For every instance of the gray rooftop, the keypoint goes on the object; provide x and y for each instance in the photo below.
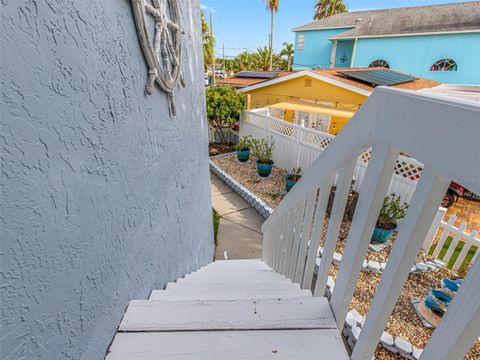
(455, 17)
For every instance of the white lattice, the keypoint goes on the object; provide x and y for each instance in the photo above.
(317, 139)
(254, 119)
(408, 168)
(282, 127)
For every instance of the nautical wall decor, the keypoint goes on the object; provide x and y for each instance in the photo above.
(162, 47)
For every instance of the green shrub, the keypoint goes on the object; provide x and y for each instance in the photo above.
(392, 211)
(263, 149)
(245, 143)
(224, 107)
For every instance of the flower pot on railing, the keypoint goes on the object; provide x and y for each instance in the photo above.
(382, 235)
(264, 169)
(243, 155)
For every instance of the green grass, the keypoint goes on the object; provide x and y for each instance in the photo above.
(454, 257)
(216, 221)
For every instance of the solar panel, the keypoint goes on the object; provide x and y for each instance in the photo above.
(379, 77)
(257, 74)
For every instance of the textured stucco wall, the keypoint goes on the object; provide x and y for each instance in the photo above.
(104, 196)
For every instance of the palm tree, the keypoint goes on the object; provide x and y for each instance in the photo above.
(272, 6)
(326, 8)
(265, 58)
(208, 42)
(245, 61)
(288, 51)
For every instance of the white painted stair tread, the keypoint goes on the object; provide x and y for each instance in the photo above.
(227, 286)
(303, 313)
(232, 294)
(229, 345)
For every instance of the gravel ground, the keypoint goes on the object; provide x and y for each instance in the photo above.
(404, 321)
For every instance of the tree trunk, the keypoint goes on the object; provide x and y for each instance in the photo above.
(271, 39)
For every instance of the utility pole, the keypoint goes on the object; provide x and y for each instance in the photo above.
(213, 54)
(223, 58)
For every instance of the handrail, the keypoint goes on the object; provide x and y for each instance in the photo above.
(397, 117)
(390, 121)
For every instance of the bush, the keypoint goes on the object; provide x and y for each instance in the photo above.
(245, 143)
(263, 150)
(224, 107)
(392, 211)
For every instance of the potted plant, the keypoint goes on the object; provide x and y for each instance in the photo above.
(393, 210)
(263, 150)
(243, 148)
(292, 178)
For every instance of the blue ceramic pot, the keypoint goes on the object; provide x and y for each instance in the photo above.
(264, 170)
(381, 235)
(290, 180)
(243, 155)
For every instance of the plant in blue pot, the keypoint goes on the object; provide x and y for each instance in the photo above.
(263, 150)
(243, 148)
(292, 178)
(393, 210)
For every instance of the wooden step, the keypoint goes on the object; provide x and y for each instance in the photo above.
(230, 286)
(266, 314)
(325, 344)
(232, 294)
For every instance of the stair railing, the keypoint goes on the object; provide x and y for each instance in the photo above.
(392, 120)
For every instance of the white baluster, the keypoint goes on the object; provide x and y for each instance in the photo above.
(373, 190)
(325, 188)
(334, 225)
(305, 236)
(296, 240)
(423, 208)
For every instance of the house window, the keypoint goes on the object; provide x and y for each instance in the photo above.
(300, 42)
(444, 65)
(380, 63)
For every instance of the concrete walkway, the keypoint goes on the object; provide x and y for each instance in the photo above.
(239, 231)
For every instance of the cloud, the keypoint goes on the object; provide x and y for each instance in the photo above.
(207, 8)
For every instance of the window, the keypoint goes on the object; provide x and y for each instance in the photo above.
(444, 65)
(308, 82)
(380, 63)
(300, 42)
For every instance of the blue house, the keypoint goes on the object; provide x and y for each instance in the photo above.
(438, 42)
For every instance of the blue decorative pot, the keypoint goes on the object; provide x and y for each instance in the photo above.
(381, 235)
(291, 180)
(264, 170)
(243, 155)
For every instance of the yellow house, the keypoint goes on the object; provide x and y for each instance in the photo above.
(324, 99)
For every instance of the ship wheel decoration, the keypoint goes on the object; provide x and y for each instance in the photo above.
(163, 53)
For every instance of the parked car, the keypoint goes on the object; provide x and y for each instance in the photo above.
(456, 191)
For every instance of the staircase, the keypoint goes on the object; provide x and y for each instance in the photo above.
(246, 309)
(236, 309)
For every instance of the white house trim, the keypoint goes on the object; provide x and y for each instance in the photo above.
(312, 75)
(324, 28)
(400, 35)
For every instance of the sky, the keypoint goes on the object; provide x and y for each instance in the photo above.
(241, 25)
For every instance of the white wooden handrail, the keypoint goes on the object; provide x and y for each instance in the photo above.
(391, 121)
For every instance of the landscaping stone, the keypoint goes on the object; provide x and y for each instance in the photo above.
(357, 317)
(403, 346)
(416, 352)
(337, 259)
(374, 266)
(386, 340)
(356, 333)
(413, 269)
(431, 265)
(439, 263)
(421, 266)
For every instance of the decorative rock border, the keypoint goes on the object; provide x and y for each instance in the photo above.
(379, 267)
(241, 190)
(353, 327)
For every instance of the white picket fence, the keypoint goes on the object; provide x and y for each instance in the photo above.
(299, 146)
(446, 229)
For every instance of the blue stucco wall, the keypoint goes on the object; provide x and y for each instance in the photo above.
(415, 55)
(104, 196)
(317, 49)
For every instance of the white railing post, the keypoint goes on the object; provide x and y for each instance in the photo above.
(432, 233)
(460, 326)
(374, 188)
(422, 210)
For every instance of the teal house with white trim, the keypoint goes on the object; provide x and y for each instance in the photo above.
(437, 42)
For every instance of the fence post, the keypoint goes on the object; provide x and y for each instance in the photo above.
(266, 122)
(299, 143)
(432, 232)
